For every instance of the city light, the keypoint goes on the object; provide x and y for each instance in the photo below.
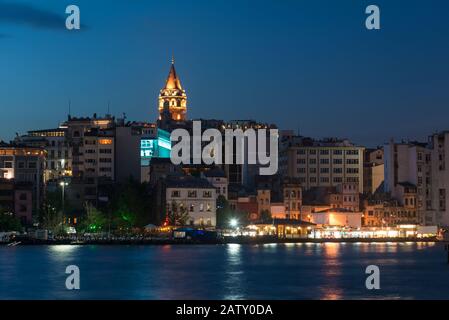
(233, 223)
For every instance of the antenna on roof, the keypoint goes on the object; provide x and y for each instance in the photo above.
(70, 108)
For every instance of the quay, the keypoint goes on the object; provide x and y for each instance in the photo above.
(225, 240)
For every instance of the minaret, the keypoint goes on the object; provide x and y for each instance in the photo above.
(173, 98)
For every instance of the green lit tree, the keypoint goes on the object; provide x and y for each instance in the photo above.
(94, 221)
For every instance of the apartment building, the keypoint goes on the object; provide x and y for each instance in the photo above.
(321, 163)
(410, 163)
(373, 170)
(25, 166)
(58, 162)
(438, 197)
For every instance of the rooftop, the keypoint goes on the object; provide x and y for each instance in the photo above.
(188, 182)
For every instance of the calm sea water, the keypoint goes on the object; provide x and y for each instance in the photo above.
(271, 271)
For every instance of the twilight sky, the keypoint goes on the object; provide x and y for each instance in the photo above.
(307, 65)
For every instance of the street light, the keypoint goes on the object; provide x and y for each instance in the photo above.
(63, 184)
(233, 223)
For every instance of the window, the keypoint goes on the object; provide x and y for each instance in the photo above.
(352, 152)
(207, 194)
(338, 170)
(312, 161)
(312, 151)
(324, 152)
(32, 165)
(338, 161)
(352, 161)
(338, 152)
(191, 194)
(175, 193)
(324, 161)
(192, 207)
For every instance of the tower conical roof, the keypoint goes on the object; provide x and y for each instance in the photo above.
(173, 81)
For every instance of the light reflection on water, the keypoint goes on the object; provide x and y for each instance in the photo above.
(271, 271)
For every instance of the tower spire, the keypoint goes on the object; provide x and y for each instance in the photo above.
(172, 96)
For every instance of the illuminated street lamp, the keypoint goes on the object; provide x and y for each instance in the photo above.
(63, 184)
(233, 223)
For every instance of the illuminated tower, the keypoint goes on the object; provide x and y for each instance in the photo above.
(173, 98)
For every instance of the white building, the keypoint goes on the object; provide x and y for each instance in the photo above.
(196, 195)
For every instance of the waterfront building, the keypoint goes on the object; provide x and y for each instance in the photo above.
(92, 143)
(284, 228)
(196, 195)
(321, 163)
(410, 163)
(346, 197)
(264, 200)
(438, 199)
(24, 166)
(58, 162)
(373, 170)
(292, 196)
(339, 217)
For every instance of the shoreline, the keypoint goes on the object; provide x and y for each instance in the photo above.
(250, 241)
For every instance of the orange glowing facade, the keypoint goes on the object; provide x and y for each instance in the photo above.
(173, 98)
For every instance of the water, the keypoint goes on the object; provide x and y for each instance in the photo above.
(272, 271)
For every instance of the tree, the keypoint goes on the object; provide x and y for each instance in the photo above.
(51, 217)
(95, 221)
(130, 205)
(8, 221)
(177, 215)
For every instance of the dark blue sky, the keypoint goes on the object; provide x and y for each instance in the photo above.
(302, 64)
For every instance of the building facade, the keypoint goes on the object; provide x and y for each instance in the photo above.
(325, 163)
(196, 195)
